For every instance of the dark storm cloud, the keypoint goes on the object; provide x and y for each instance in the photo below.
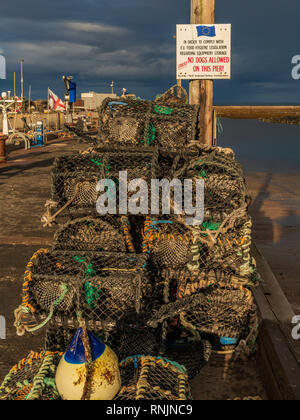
(131, 41)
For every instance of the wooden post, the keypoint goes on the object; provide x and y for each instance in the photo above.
(2, 148)
(179, 85)
(201, 91)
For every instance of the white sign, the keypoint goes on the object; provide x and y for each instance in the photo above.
(203, 51)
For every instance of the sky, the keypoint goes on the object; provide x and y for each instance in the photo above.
(131, 42)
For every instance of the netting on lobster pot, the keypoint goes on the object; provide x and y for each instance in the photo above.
(59, 339)
(139, 122)
(193, 356)
(223, 246)
(173, 283)
(222, 314)
(76, 188)
(107, 233)
(153, 378)
(131, 336)
(33, 378)
(167, 241)
(224, 182)
(100, 287)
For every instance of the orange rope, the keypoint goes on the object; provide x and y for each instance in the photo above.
(28, 279)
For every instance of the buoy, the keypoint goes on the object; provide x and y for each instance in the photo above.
(104, 381)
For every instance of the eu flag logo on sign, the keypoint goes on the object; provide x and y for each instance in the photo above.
(206, 30)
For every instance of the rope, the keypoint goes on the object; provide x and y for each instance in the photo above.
(86, 394)
(57, 302)
(47, 218)
(21, 328)
(38, 382)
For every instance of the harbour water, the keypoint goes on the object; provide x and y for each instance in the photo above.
(270, 155)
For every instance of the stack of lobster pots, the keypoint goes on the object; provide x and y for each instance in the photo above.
(145, 283)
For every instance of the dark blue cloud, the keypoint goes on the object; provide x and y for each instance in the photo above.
(131, 42)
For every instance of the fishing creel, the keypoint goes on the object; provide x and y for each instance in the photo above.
(131, 336)
(153, 378)
(223, 177)
(108, 233)
(32, 378)
(140, 122)
(219, 246)
(75, 179)
(102, 288)
(222, 314)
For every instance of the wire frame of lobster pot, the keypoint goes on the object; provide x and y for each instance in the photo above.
(101, 288)
(210, 246)
(32, 378)
(75, 178)
(172, 284)
(222, 314)
(225, 187)
(98, 234)
(153, 378)
(125, 339)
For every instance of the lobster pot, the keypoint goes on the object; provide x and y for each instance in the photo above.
(102, 287)
(223, 177)
(167, 241)
(75, 178)
(124, 340)
(210, 246)
(59, 339)
(222, 314)
(107, 233)
(193, 356)
(173, 284)
(32, 378)
(153, 378)
(146, 123)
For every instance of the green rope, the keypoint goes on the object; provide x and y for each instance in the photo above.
(99, 162)
(202, 172)
(38, 382)
(89, 272)
(92, 293)
(210, 225)
(159, 109)
(151, 133)
(57, 302)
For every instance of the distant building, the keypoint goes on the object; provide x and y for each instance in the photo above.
(93, 100)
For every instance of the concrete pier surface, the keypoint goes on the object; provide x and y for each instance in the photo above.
(25, 187)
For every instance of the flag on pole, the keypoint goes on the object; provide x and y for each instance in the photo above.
(203, 30)
(55, 102)
(19, 104)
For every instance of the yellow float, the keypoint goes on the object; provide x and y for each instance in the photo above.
(104, 379)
